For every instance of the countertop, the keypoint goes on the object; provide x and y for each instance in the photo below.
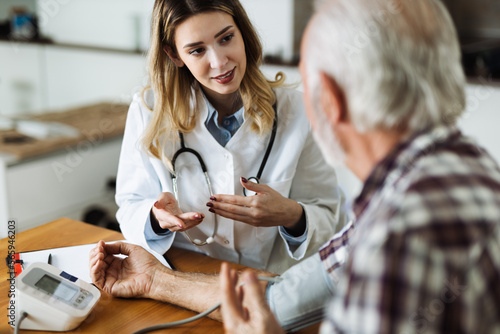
(95, 123)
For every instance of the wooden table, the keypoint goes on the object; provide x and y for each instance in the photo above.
(113, 315)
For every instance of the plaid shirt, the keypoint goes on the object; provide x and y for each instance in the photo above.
(423, 255)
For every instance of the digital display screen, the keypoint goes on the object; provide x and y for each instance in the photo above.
(56, 288)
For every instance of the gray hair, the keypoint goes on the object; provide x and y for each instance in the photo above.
(396, 61)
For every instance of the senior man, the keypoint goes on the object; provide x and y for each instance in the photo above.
(384, 88)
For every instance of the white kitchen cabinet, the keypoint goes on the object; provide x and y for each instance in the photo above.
(61, 184)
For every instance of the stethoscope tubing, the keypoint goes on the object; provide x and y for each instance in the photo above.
(263, 164)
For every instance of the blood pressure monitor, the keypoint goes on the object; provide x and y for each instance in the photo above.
(53, 299)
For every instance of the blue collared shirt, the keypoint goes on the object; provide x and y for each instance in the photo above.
(230, 124)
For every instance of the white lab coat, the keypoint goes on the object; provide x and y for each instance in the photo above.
(295, 169)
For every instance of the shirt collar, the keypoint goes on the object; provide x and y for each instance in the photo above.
(213, 114)
(400, 160)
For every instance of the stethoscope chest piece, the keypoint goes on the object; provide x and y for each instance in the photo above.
(198, 242)
(249, 192)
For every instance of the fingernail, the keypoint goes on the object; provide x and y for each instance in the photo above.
(244, 180)
(156, 205)
(179, 225)
(197, 216)
(210, 204)
(211, 210)
(212, 198)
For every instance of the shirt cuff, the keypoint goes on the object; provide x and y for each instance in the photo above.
(150, 234)
(290, 239)
(295, 241)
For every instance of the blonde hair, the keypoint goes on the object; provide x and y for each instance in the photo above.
(173, 110)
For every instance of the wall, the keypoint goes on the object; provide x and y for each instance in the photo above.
(274, 22)
(22, 81)
(481, 119)
(121, 24)
(77, 77)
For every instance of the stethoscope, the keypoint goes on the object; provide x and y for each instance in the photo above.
(256, 179)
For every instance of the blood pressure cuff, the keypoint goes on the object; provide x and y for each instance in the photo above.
(299, 299)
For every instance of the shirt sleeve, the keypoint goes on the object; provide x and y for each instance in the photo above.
(150, 233)
(398, 284)
(334, 253)
(293, 241)
(290, 239)
(299, 298)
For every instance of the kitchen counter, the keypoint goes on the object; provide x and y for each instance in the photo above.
(96, 122)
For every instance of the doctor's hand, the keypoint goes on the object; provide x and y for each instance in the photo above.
(123, 277)
(266, 208)
(169, 215)
(244, 308)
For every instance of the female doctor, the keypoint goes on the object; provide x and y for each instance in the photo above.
(209, 107)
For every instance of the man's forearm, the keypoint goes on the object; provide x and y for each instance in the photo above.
(194, 291)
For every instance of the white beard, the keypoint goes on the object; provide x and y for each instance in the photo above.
(327, 142)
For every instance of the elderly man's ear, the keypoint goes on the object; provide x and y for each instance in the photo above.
(173, 56)
(332, 99)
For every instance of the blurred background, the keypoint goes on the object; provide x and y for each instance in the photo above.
(69, 68)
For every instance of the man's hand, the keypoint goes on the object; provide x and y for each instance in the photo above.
(131, 276)
(244, 308)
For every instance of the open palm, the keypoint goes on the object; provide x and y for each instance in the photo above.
(129, 276)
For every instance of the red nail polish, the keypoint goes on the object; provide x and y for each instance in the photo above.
(210, 204)
(244, 180)
(212, 198)
(156, 205)
(211, 210)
